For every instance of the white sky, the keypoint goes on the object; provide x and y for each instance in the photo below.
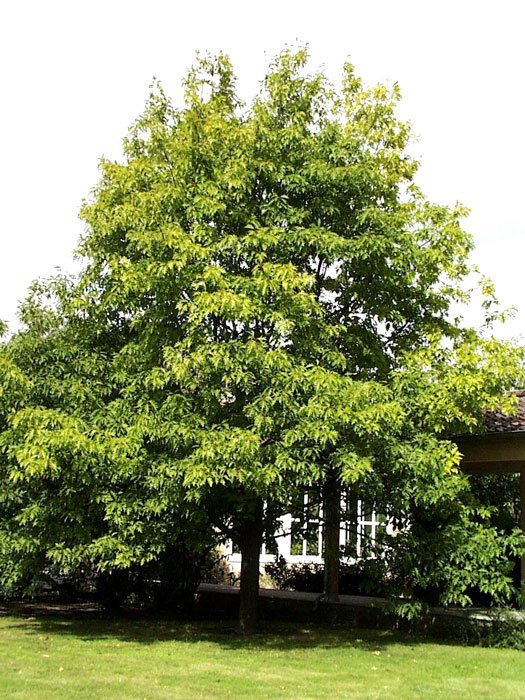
(75, 74)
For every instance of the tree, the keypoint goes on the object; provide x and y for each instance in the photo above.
(74, 497)
(266, 274)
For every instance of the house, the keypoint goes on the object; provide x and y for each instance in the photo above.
(501, 449)
(300, 536)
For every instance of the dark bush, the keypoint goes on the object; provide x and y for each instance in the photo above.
(167, 583)
(217, 570)
(364, 577)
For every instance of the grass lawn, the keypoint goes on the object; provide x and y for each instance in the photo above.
(61, 657)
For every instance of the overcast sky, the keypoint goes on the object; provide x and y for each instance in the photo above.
(75, 74)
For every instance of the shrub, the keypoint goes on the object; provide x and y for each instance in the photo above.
(365, 577)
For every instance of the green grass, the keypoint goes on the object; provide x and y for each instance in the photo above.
(61, 657)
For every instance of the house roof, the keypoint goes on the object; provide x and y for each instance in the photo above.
(498, 422)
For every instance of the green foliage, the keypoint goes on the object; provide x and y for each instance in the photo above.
(506, 632)
(459, 560)
(73, 497)
(266, 300)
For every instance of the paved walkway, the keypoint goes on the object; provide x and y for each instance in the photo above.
(354, 602)
(350, 600)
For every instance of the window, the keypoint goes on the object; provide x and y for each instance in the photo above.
(350, 516)
(305, 529)
(360, 526)
(300, 534)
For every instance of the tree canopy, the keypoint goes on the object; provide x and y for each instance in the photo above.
(266, 305)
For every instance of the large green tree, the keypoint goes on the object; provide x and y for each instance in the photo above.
(268, 276)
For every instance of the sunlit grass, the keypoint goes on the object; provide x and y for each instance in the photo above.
(58, 657)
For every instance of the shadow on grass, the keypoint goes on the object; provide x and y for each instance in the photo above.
(148, 629)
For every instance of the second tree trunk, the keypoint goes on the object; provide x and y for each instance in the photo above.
(332, 514)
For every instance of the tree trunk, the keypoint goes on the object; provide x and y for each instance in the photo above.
(250, 542)
(522, 524)
(332, 525)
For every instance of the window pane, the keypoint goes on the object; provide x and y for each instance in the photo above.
(297, 507)
(312, 539)
(351, 540)
(367, 543)
(367, 511)
(296, 544)
(270, 546)
(312, 504)
(350, 513)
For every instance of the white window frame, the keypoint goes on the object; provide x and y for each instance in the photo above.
(284, 538)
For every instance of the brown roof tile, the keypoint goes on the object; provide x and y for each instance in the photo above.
(498, 422)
